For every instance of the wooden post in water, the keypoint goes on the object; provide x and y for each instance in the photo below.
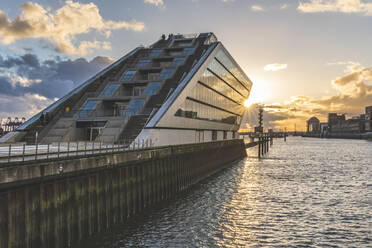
(259, 146)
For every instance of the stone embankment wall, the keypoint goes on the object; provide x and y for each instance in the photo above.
(58, 203)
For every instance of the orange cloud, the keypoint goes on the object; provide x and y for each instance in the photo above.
(62, 27)
(354, 94)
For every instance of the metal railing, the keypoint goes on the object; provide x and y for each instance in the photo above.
(21, 153)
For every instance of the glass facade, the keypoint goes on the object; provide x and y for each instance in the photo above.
(152, 88)
(224, 59)
(208, 96)
(134, 107)
(155, 53)
(218, 95)
(109, 90)
(87, 108)
(142, 63)
(128, 75)
(195, 110)
(225, 75)
(216, 83)
(166, 73)
(189, 50)
(178, 61)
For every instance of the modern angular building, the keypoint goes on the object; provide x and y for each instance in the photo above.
(181, 89)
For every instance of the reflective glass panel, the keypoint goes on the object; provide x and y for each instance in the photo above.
(152, 88)
(233, 68)
(189, 50)
(178, 61)
(219, 85)
(109, 90)
(87, 108)
(143, 63)
(206, 95)
(195, 110)
(128, 75)
(155, 53)
(166, 73)
(135, 105)
(217, 68)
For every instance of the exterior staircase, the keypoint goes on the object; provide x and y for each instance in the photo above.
(134, 126)
(112, 130)
(58, 131)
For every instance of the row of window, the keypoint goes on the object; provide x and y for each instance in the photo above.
(150, 89)
(214, 82)
(224, 59)
(183, 51)
(217, 68)
(202, 93)
(133, 108)
(143, 63)
(195, 110)
(164, 74)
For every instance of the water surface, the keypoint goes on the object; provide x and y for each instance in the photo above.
(306, 192)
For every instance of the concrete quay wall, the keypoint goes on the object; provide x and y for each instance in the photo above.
(58, 203)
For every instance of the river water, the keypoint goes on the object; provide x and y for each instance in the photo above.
(305, 192)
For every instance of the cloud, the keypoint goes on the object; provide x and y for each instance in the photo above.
(31, 79)
(61, 27)
(275, 67)
(354, 93)
(157, 3)
(22, 106)
(343, 6)
(257, 8)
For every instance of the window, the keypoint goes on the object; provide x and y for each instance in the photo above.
(189, 51)
(152, 88)
(214, 135)
(87, 108)
(128, 75)
(138, 90)
(155, 53)
(142, 63)
(109, 90)
(224, 135)
(135, 105)
(183, 42)
(178, 61)
(166, 73)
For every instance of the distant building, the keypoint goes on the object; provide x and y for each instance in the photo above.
(354, 125)
(368, 118)
(334, 118)
(313, 125)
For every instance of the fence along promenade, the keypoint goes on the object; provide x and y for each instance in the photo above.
(19, 153)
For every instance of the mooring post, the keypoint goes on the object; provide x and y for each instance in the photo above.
(10, 150)
(259, 146)
(23, 152)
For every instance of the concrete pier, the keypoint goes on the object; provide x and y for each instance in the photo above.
(59, 202)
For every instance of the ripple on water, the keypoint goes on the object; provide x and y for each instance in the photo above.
(305, 193)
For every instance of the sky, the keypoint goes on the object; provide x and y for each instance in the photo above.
(305, 58)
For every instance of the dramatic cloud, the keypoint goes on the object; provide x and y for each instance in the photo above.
(157, 3)
(354, 94)
(343, 6)
(61, 27)
(275, 67)
(32, 84)
(257, 8)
